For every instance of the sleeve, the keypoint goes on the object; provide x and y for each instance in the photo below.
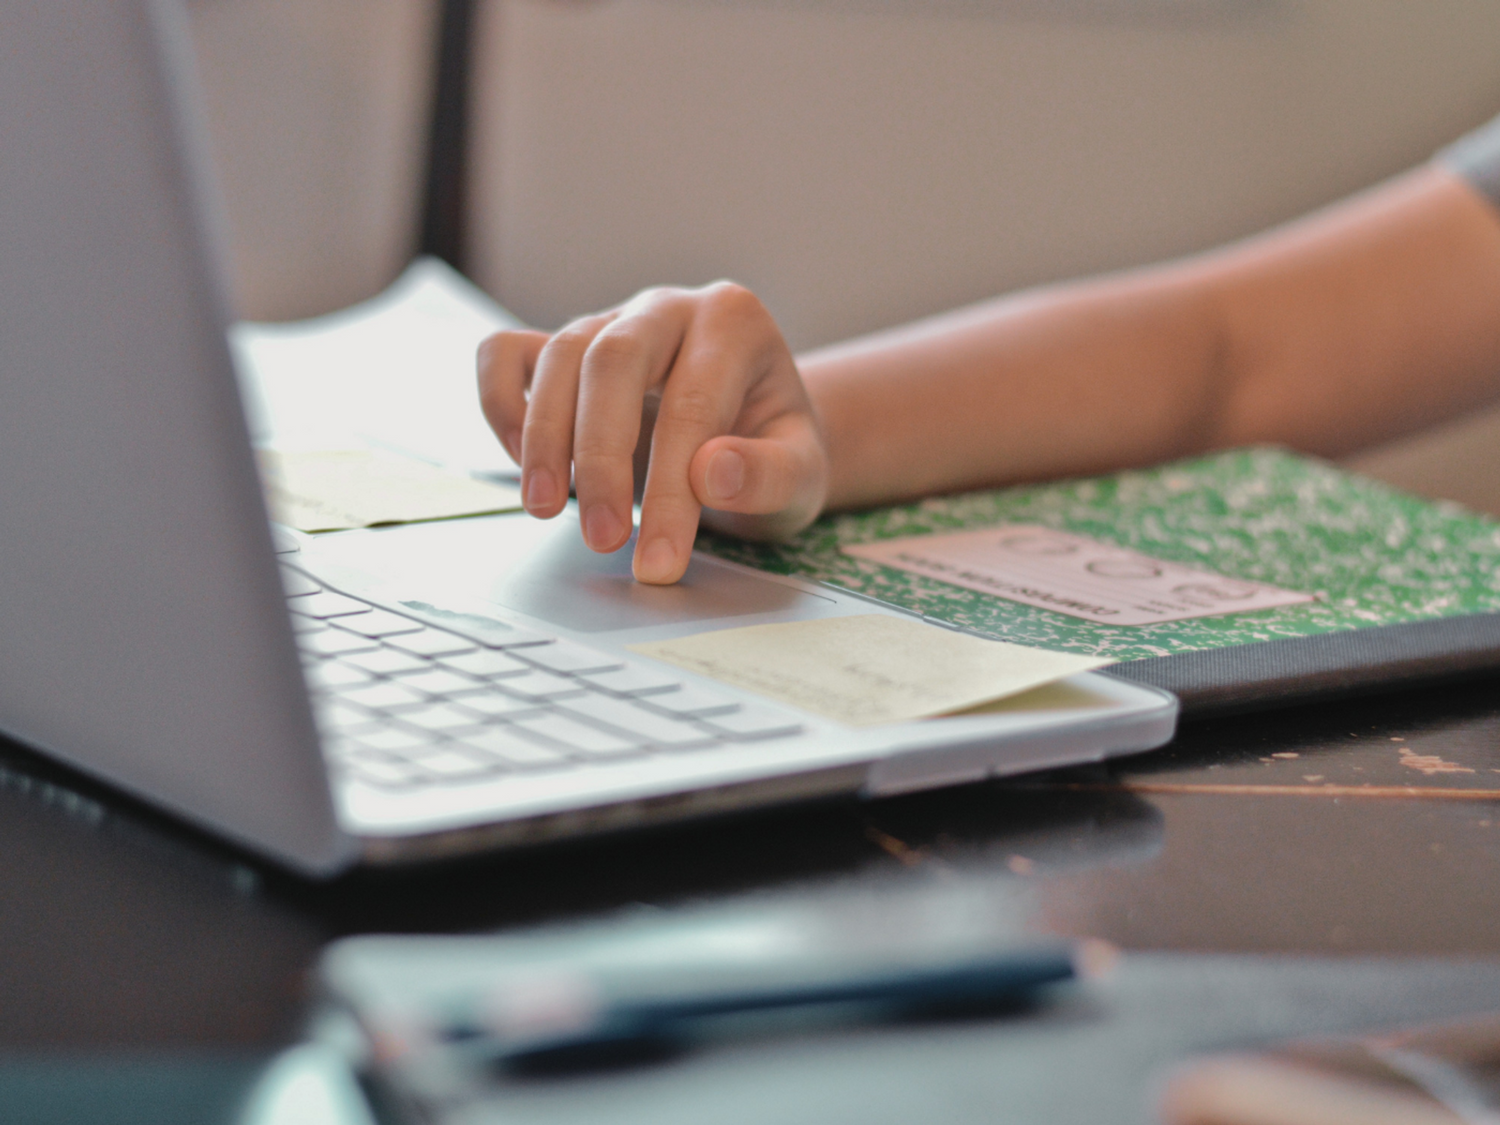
(1476, 157)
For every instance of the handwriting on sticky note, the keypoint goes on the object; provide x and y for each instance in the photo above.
(868, 668)
(328, 490)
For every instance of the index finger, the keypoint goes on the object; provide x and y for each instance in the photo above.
(715, 364)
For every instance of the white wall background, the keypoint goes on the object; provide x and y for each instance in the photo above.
(318, 110)
(860, 162)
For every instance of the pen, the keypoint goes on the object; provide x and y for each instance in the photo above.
(560, 1014)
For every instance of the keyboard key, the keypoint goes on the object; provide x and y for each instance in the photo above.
(284, 541)
(514, 637)
(385, 738)
(334, 642)
(337, 673)
(433, 642)
(511, 748)
(751, 721)
(633, 680)
(538, 686)
(304, 625)
(340, 715)
(690, 700)
(490, 634)
(579, 737)
(487, 664)
(439, 716)
(673, 734)
(451, 764)
(495, 704)
(387, 662)
(328, 604)
(381, 623)
(386, 773)
(338, 746)
(565, 656)
(296, 584)
(438, 681)
(385, 693)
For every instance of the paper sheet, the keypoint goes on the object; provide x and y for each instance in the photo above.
(329, 490)
(1072, 574)
(396, 372)
(869, 668)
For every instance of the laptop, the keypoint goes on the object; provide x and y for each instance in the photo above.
(382, 696)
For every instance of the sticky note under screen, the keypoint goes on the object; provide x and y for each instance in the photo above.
(868, 668)
(327, 490)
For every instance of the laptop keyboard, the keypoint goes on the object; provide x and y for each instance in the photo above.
(404, 704)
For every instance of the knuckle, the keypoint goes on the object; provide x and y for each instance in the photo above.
(570, 337)
(540, 440)
(689, 406)
(494, 401)
(655, 294)
(548, 424)
(489, 349)
(730, 298)
(498, 347)
(596, 461)
(500, 392)
(597, 445)
(614, 349)
(577, 334)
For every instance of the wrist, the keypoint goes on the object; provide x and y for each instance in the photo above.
(829, 404)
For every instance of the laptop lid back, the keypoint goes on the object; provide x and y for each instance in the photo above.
(143, 634)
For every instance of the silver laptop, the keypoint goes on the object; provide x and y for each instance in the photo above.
(377, 696)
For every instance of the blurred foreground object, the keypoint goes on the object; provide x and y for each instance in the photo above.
(444, 1019)
(303, 1085)
(1438, 1074)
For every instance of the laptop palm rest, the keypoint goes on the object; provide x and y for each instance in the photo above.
(544, 570)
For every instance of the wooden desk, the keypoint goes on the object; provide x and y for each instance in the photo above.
(118, 927)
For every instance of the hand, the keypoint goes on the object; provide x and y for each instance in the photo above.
(735, 440)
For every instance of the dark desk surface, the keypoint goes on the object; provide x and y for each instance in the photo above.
(1366, 826)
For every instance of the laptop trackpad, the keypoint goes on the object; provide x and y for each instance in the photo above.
(543, 569)
(559, 579)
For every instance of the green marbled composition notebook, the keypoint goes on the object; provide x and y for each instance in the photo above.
(1359, 585)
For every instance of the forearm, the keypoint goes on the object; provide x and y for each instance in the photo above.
(1371, 318)
(1061, 381)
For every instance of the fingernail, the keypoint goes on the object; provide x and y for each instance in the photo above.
(541, 489)
(658, 562)
(726, 475)
(512, 443)
(601, 528)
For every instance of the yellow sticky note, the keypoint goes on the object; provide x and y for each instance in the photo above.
(328, 490)
(869, 668)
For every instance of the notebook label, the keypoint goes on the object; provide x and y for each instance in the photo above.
(1075, 575)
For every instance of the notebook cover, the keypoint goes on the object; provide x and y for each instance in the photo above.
(1408, 589)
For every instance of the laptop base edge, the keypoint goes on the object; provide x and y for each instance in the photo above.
(618, 816)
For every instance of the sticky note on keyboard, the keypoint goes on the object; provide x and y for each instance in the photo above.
(868, 668)
(329, 490)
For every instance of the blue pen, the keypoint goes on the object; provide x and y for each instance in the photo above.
(562, 1013)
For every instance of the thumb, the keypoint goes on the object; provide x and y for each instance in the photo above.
(782, 476)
